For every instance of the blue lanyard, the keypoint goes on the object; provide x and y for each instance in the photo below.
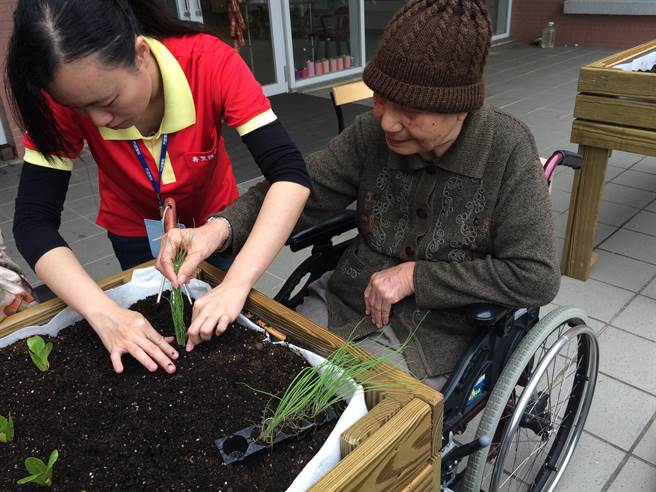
(162, 160)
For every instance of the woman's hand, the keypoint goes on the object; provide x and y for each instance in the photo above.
(199, 243)
(215, 311)
(385, 289)
(127, 332)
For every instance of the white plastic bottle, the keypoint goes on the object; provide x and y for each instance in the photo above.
(548, 36)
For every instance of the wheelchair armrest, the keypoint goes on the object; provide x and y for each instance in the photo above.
(483, 315)
(571, 159)
(324, 232)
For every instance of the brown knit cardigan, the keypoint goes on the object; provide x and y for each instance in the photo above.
(476, 221)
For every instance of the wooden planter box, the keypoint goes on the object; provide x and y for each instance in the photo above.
(394, 447)
(615, 109)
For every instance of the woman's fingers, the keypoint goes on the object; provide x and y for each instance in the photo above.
(155, 353)
(117, 363)
(143, 358)
(222, 325)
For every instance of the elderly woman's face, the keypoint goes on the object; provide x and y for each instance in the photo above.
(409, 131)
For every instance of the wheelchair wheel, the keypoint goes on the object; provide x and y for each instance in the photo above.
(536, 412)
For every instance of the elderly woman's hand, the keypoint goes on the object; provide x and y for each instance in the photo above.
(385, 289)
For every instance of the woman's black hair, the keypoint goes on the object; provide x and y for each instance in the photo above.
(48, 33)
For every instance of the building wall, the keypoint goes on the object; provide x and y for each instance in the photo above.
(529, 17)
(6, 27)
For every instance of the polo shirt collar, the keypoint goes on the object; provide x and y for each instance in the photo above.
(179, 108)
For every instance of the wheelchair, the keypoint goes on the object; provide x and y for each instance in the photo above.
(530, 381)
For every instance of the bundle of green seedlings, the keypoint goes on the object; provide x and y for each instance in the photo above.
(315, 389)
(176, 302)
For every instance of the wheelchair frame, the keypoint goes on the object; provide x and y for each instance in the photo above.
(473, 380)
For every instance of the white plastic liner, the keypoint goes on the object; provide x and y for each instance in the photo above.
(644, 62)
(146, 282)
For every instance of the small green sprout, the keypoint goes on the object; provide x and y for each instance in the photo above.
(39, 352)
(40, 473)
(6, 429)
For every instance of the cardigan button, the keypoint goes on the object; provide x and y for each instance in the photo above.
(409, 251)
(421, 213)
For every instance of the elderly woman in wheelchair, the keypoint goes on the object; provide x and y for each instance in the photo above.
(452, 210)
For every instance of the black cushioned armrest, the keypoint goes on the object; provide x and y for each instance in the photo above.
(324, 232)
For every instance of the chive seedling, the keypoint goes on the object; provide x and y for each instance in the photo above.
(177, 302)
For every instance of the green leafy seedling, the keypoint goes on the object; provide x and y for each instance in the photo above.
(6, 429)
(39, 352)
(40, 472)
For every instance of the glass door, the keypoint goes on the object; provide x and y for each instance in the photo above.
(500, 15)
(253, 27)
(326, 40)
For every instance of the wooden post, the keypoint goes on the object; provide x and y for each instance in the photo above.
(583, 211)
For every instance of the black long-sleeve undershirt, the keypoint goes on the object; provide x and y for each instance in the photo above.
(42, 190)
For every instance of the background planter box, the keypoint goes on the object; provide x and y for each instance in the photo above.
(394, 447)
(615, 109)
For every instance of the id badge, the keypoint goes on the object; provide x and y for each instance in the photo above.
(155, 231)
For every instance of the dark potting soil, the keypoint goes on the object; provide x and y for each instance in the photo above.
(147, 431)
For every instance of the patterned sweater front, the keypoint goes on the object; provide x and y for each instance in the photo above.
(477, 222)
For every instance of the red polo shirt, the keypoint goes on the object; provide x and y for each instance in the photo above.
(205, 81)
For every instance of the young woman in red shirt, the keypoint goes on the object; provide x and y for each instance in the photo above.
(148, 94)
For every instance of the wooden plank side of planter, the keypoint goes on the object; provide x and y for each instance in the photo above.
(615, 82)
(428, 478)
(370, 423)
(389, 458)
(626, 55)
(617, 111)
(606, 136)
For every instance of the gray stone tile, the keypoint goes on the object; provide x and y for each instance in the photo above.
(638, 317)
(629, 358)
(632, 244)
(559, 200)
(601, 301)
(635, 476)
(612, 172)
(636, 179)
(560, 223)
(650, 290)
(563, 180)
(81, 190)
(651, 207)
(6, 211)
(9, 177)
(269, 284)
(624, 159)
(646, 448)
(646, 165)
(593, 463)
(644, 222)
(621, 271)
(612, 399)
(78, 229)
(87, 207)
(614, 213)
(604, 231)
(103, 267)
(92, 248)
(286, 261)
(626, 195)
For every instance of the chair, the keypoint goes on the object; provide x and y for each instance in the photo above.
(532, 380)
(347, 94)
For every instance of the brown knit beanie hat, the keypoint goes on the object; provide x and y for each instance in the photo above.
(432, 56)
